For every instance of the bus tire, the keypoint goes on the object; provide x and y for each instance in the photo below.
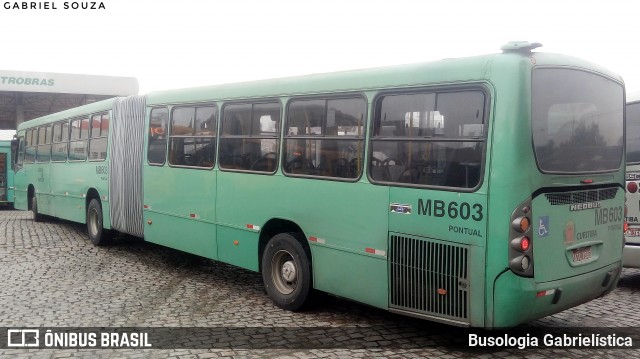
(286, 271)
(97, 234)
(37, 217)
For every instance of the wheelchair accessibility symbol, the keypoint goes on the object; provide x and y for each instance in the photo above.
(543, 226)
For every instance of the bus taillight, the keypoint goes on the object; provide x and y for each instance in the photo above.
(521, 246)
(521, 224)
(632, 187)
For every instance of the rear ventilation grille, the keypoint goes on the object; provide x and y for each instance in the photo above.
(429, 278)
(594, 195)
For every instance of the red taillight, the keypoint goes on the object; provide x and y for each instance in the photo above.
(521, 244)
(632, 187)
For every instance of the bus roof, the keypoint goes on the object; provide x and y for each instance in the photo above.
(447, 71)
(103, 105)
(476, 68)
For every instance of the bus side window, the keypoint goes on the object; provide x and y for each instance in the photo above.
(30, 143)
(44, 144)
(430, 139)
(99, 135)
(60, 141)
(249, 138)
(157, 141)
(325, 137)
(18, 156)
(192, 142)
(78, 140)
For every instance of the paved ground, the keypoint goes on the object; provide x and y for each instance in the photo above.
(51, 276)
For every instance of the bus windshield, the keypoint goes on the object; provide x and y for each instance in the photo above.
(577, 121)
(633, 133)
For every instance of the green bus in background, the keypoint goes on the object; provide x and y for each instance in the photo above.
(483, 191)
(6, 171)
(631, 253)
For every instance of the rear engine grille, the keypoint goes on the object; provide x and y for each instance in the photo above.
(594, 195)
(429, 278)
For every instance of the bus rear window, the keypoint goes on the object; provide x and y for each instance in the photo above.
(577, 121)
(633, 133)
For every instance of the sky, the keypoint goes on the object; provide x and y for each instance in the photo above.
(183, 43)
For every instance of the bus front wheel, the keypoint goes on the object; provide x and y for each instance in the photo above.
(286, 271)
(37, 217)
(97, 234)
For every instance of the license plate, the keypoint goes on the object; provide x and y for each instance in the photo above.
(581, 254)
(632, 232)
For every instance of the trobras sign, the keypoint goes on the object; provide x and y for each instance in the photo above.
(67, 83)
(27, 81)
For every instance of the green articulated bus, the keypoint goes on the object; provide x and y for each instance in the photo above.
(6, 171)
(485, 191)
(631, 253)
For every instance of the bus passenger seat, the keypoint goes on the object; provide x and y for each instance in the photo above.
(464, 168)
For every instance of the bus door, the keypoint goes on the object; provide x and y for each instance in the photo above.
(179, 188)
(19, 175)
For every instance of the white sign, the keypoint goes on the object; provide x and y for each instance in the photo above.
(67, 83)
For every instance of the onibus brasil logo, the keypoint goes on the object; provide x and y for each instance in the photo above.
(33, 338)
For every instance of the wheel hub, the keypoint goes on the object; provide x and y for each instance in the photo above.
(93, 221)
(289, 271)
(284, 272)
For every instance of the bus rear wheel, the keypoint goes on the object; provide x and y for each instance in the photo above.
(97, 234)
(37, 217)
(286, 271)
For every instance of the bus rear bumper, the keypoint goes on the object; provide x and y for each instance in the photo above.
(518, 300)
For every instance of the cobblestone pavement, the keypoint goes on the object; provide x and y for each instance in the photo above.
(53, 277)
